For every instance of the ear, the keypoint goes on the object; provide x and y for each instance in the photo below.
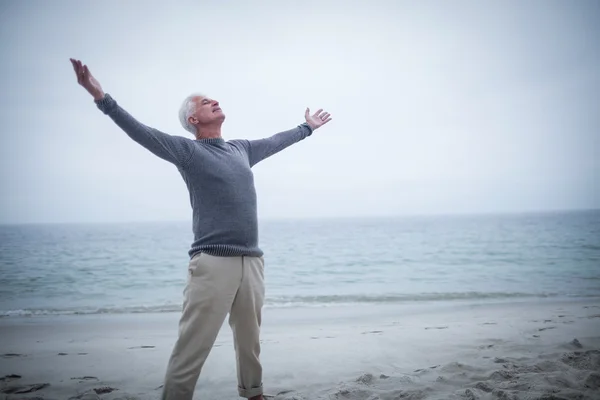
(193, 120)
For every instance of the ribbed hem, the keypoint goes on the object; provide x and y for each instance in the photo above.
(248, 393)
(226, 250)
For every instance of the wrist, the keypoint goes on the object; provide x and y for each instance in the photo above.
(310, 127)
(98, 95)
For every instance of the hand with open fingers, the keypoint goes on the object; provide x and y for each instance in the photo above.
(87, 80)
(318, 119)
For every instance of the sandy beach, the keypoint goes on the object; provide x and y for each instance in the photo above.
(519, 350)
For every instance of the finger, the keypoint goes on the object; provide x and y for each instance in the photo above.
(318, 112)
(83, 72)
(76, 67)
(79, 69)
(86, 72)
(74, 64)
(325, 115)
(79, 73)
(307, 112)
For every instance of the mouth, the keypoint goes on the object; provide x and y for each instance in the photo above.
(218, 109)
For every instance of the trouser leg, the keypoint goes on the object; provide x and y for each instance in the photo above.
(208, 296)
(245, 322)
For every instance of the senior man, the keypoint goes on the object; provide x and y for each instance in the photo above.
(226, 268)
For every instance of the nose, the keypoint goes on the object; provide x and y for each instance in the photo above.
(215, 103)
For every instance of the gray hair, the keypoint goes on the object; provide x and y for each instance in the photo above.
(185, 112)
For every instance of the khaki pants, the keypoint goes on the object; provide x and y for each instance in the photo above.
(217, 286)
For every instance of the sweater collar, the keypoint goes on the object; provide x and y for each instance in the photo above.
(211, 141)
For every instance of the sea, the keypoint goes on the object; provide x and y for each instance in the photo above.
(82, 269)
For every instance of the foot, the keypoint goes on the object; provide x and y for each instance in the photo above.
(259, 397)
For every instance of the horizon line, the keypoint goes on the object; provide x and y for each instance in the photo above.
(346, 217)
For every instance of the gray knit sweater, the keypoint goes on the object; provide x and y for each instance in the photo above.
(218, 176)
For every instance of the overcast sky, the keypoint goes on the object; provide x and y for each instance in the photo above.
(438, 106)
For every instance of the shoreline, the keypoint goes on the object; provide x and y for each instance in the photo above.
(424, 351)
(427, 301)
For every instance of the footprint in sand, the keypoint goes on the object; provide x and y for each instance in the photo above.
(66, 354)
(142, 347)
(365, 333)
(436, 327)
(103, 390)
(22, 389)
(423, 369)
(12, 355)
(10, 377)
(85, 378)
(576, 343)
(545, 329)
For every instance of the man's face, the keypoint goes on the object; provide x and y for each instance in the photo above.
(207, 111)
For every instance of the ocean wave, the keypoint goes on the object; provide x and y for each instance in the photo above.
(297, 301)
(32, 312)
(402, 298)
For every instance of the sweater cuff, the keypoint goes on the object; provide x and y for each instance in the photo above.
(105, 104)
(307, 126)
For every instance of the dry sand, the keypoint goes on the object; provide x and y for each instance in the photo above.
(529, 350)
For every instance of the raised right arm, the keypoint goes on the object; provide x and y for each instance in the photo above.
(174, 149)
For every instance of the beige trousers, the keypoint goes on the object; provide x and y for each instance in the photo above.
(215, 287)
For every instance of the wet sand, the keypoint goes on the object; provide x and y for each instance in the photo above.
(535, 349)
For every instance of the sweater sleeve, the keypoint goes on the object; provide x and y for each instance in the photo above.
(174, 149)
(261, 149)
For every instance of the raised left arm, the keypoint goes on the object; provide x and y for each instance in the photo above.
(260, 149)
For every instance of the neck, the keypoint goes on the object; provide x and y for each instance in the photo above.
(209, 132)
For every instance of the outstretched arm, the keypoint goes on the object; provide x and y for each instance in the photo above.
(260, 149)
(174, 149)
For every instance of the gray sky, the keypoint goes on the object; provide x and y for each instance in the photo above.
(438, 106)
